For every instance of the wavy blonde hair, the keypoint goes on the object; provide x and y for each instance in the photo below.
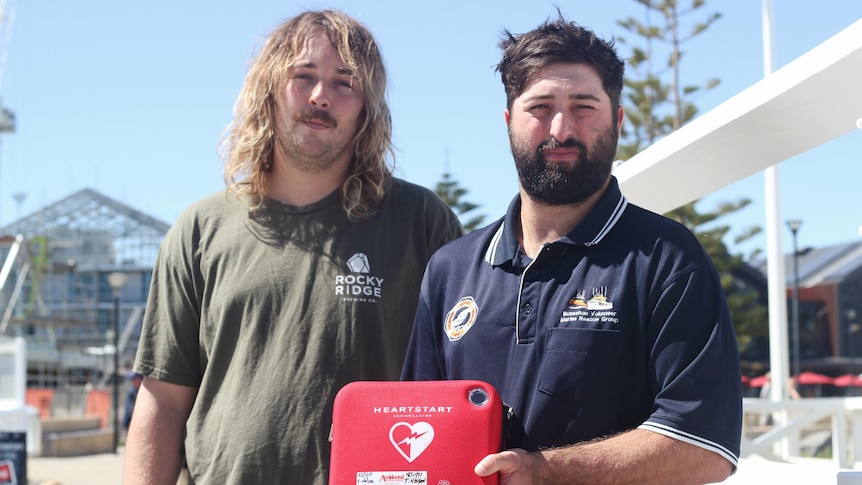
(248, 143)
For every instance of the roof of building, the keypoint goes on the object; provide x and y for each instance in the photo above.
(817, 266)
(96, 223)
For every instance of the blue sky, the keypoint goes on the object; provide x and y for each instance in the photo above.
(130, 98)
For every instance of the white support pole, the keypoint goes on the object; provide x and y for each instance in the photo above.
(777, 286)
(776, 283)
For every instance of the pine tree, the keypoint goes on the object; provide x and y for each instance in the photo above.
(452, 194)
(655, 107)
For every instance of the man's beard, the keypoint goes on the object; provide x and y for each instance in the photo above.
(313, 158)
(561, 183)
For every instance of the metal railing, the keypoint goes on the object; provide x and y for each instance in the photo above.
(776, 430)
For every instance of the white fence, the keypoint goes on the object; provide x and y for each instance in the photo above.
(778, 431)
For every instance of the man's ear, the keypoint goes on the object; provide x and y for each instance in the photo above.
(506, 115)
(621, 114)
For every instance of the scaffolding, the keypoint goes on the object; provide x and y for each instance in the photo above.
(54, 290)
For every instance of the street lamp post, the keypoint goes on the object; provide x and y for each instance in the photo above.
(116, 280)
(794, 225)
(852, 329)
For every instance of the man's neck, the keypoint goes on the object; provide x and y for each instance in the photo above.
(299, 188)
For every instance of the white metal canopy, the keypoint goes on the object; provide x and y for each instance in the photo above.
(814, 99)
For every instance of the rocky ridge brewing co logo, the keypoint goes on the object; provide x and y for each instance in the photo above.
(359, 285)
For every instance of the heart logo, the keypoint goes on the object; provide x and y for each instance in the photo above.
(411, 439)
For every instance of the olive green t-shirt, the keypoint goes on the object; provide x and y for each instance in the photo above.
(270, 313)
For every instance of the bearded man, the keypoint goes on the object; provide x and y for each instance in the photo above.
(603, 326)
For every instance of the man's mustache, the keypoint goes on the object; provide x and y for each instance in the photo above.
(316, 114)
(552, 143)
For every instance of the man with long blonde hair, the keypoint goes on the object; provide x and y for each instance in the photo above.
(301, 277)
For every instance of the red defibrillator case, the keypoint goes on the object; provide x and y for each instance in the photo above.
(423, 432)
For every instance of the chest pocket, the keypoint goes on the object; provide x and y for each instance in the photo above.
(582, 364)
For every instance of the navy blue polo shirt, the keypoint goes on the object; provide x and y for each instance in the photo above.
(621, 324)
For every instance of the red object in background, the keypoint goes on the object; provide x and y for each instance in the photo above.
(7, 472)
(812, 378)
(759, 381)
(847, 380)
(98, 402)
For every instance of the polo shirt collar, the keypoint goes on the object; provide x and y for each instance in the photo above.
(589, 232)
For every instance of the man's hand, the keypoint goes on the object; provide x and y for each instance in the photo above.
(638, 456)
(515, 466)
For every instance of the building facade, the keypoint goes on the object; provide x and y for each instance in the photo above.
(55, 288)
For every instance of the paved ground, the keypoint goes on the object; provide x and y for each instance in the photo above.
(107, 469)
(103, 469)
